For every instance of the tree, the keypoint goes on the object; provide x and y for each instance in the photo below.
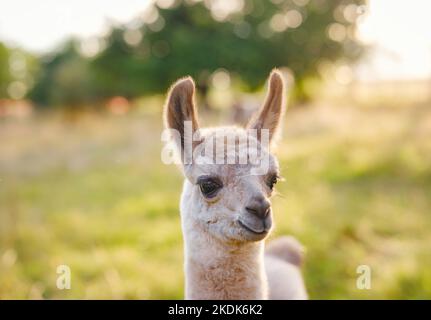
(5, 76)
(64, 79)
(246, 37)
(17, 69)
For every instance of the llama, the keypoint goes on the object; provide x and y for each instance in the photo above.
(225, 210)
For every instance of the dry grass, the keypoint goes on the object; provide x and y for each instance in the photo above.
(94, 195)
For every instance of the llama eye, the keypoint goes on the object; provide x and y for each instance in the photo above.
(272, 181)
(209, 186)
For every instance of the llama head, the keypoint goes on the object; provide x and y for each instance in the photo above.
(230, 171)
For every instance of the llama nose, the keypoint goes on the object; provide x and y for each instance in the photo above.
(259, 207)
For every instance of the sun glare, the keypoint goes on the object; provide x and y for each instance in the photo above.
(398, 31)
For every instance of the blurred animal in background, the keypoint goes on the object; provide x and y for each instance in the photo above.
(242, 111)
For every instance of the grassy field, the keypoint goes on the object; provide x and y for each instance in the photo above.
(94, 195)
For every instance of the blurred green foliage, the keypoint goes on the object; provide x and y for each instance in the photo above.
(177, 38)
(64, 79)
(17, 71)
(4, 70)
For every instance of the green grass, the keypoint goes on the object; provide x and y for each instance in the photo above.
(94, 195)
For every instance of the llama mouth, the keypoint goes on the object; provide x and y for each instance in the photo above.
(252, 230)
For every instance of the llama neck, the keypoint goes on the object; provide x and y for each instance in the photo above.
(215, 270)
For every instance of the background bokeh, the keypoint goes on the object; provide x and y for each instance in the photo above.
(81, 180)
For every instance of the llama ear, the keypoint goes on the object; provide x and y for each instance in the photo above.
(180, 112)
(269, 116)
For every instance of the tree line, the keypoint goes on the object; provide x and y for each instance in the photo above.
(173, 38)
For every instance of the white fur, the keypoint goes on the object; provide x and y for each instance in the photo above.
(223, 237)
(222, 261)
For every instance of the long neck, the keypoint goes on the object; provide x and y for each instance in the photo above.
(215, 270)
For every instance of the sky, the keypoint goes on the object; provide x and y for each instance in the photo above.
(40, 25)
(399, 30)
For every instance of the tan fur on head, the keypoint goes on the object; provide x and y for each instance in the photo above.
(270, 115)
(180, 107)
